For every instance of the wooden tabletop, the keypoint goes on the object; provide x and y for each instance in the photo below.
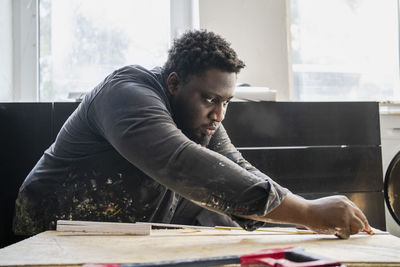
(60, 248)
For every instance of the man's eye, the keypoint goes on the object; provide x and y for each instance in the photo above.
(211, 100)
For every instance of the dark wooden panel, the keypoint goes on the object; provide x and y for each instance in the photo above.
(321, 169)
(254, 124)
(61, 112)
(371, 203)
(25, 134)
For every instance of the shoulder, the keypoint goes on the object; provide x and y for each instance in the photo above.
(131, 84)
(138, 74)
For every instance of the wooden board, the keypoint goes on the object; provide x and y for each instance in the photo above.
(103, 227)
(54, 248)
(321, 169)
(259, 124)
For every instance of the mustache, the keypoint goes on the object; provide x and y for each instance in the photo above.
(213, 125)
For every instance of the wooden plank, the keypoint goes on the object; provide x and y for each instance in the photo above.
(288, 123)
(53, 248)
(258, 124)
(321, 169)
(105, 228)
(274, 230)
(174, 226)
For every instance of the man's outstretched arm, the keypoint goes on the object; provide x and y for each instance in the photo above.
(329, 215)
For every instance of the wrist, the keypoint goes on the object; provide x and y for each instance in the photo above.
(310, 214)
(306, 212)
(293, 210)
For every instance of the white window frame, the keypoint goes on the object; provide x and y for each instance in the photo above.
(184, 16)
(290, 93)
(25, 51)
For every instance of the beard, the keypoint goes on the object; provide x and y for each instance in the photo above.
(202, 140)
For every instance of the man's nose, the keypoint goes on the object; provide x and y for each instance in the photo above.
(218, 114)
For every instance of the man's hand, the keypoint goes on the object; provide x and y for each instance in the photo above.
(336, 215)
(329, 215)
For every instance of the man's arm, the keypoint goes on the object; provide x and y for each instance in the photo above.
(329, 215)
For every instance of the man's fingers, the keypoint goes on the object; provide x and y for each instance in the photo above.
(342, 233)
(367, 227)
(361, 216)
(356, 226)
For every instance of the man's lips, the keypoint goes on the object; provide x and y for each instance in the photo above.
(210, 130)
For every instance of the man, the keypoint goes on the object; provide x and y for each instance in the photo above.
(145, 141)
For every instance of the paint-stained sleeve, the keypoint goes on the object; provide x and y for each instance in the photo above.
(222, 144)
(136, 122)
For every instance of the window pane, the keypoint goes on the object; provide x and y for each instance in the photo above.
(6, 48)
(81, 41)
(345, 49)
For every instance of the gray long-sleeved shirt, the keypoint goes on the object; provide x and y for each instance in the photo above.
(125, 126)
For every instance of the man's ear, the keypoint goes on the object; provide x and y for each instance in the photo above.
(173, 81)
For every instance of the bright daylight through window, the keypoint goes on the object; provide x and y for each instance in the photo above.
(345, 50)
(81, 41)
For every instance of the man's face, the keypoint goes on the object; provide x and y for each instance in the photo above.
(199, 103)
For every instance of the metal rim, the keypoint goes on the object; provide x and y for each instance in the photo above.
(394, 162)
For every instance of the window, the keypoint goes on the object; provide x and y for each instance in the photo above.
(6, 48)
(81, 41)
(345, 50)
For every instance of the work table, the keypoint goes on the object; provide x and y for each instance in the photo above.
(61, 248)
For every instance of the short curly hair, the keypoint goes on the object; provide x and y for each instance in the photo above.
(198, 51)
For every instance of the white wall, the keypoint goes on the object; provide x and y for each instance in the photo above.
(6, 51)
(257, 30)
